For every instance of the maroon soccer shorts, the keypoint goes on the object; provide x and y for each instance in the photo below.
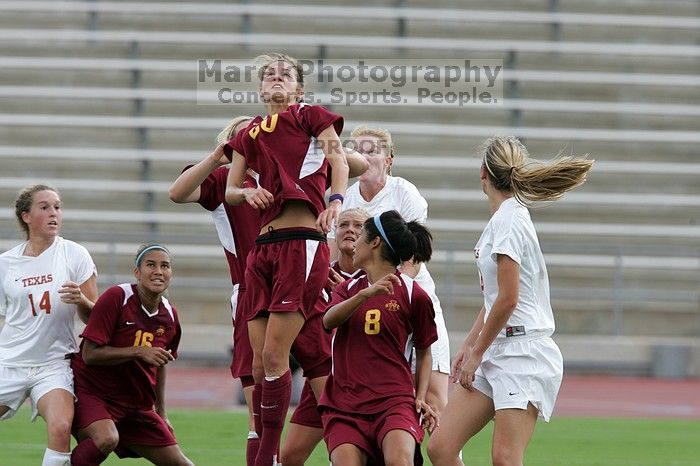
(306, 412)
(312, 348)
(367, 432)
(135, 427)
(242, 357)
(287, 270)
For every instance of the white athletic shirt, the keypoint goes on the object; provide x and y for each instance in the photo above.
(401, 195)
(512, 233)
(38, 325)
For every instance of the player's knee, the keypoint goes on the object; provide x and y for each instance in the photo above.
(292, 458)
(503, 455)
(106, 440)
(59, 431)
(183, 461)
(258, 369)
(274, 359)
(402, 458)
(438, 452)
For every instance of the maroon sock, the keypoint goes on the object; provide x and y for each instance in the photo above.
(86, 453)
(257, 399)
(251, 451)
(275, 403)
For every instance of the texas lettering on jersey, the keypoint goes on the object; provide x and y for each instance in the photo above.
(33, 281)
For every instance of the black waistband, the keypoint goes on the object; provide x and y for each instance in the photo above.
(286, 234)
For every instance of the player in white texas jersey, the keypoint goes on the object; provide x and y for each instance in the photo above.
(376, 192)
(43, 282)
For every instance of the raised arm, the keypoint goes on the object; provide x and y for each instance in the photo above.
(186, 186)
(357, 163)
(335, 154)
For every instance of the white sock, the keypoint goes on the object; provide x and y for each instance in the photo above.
(56, 458)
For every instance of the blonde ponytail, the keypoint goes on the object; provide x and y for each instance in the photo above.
(511, 169)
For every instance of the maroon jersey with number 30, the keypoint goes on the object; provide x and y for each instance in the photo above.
(371, 372)
(283, 149)
(118, 319)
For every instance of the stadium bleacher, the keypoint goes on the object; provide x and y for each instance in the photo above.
(99, 98)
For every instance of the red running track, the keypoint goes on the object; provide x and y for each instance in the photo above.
(592, 396)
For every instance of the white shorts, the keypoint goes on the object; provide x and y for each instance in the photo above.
(440, 350)
(519, 371)
(18, 383)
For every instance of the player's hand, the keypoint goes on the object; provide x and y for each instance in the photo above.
(456, 365)
(468, 370)
(70, 293)
(218, 157)
(429, 417)
(334, 278)
(154, 356)
(328, 217)
(258, 198)
(384, 285)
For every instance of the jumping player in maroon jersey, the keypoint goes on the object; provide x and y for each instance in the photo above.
(132, 333)
(370, 407)
(305, 428)
(292, 149)
(237, 227)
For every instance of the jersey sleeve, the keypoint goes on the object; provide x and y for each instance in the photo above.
(422, 319)
(175, 342)
(508, 239)
(340, 294)
(316, 118)
(236, 144)
(414, 207)
(104, 315)
(212, 189)
(81, 266)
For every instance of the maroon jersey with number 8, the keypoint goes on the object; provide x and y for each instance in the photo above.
(371, 350)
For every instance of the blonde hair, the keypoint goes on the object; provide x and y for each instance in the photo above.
(265, 60)
(511, 169)
(24, 202)
(229, 132)
(355, 211)
(382, 134)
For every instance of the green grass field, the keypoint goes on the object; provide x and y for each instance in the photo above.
(216, 438)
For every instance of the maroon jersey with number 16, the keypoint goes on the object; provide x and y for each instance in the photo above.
(118, 319)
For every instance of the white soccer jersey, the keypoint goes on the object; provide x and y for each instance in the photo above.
(512, 233)
(401, 195)
(38, 325)
(397, 194)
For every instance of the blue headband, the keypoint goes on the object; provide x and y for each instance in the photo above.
(150, 248)
(378, 224)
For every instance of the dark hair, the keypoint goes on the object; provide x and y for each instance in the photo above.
(24, 202)
(144, 248)
(408, 239)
